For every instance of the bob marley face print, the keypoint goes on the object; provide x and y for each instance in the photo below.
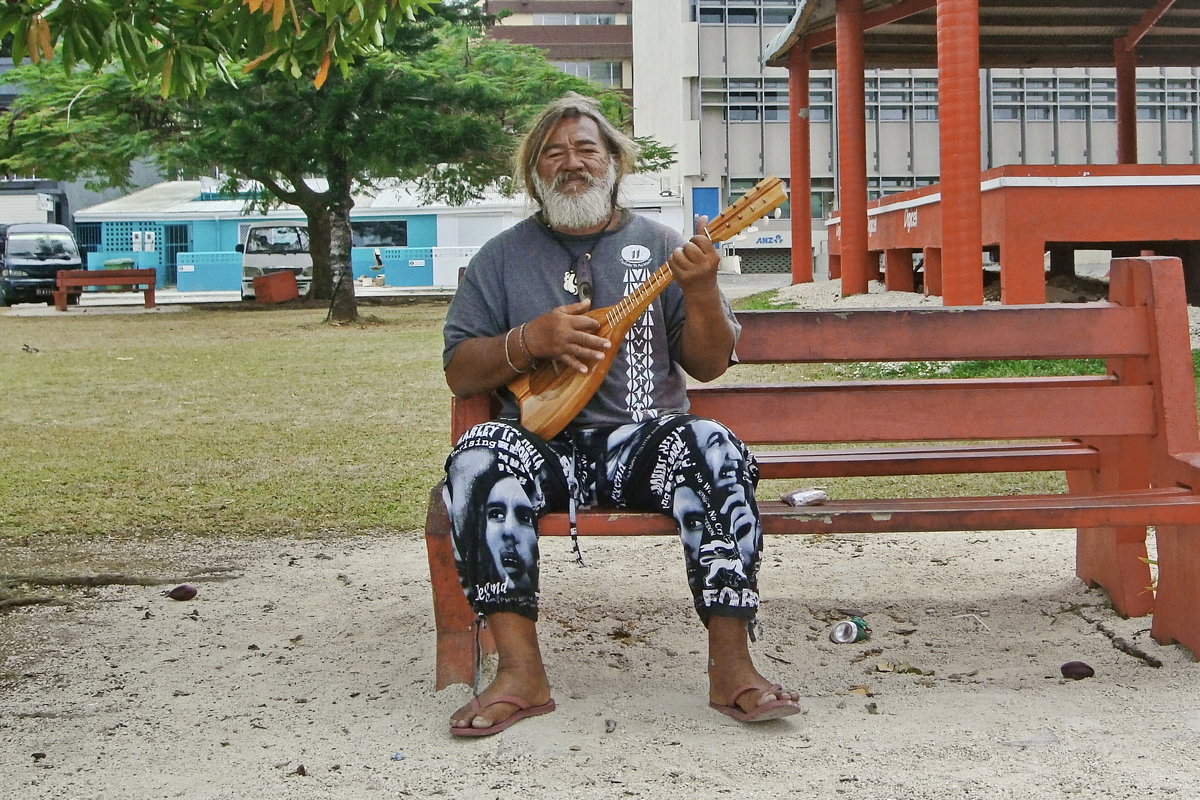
(726, 468)
(510, 534)
(498, 481)
(696, 471)
(688, 511)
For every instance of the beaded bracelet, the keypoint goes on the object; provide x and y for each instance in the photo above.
(506, 356)
(524, 348)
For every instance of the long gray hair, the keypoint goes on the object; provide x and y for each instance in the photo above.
(624, 150)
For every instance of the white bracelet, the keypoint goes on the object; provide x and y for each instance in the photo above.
(506, 356)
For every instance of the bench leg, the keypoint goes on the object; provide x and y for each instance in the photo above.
(1112, 558)
(60, 299)
(148, 297)
(453, 618)
(1177, 599)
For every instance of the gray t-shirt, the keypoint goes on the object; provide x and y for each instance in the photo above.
(526, 270)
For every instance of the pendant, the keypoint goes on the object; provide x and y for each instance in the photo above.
(569, 282)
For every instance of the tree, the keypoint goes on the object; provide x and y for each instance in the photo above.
(439, 107)
(178, 40)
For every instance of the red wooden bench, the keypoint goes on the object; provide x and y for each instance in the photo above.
(73, 282)
(1126, 440)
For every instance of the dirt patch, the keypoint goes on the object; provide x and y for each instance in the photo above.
(1059, 288)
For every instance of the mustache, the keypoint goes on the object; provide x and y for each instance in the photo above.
(561, 179)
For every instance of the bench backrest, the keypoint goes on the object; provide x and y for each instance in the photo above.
(1141, 332)
(96, 274)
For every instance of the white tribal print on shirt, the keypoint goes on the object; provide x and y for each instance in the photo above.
(639, 341)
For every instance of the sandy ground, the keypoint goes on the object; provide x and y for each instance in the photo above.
(307, 673)
(303, 669)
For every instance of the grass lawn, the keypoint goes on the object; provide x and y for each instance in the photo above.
(220, 422)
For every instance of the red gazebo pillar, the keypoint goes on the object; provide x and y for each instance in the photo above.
(852, 145)
(1125, 61)
(801, 164)
(958, 112)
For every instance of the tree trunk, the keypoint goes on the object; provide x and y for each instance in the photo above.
(343, 306)
(318, 243)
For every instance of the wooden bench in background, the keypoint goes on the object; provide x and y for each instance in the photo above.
(1126, 440)
(74, 281)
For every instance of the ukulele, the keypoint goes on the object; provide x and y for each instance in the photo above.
(549, 397)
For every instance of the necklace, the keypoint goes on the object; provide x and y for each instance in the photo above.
(578, 278)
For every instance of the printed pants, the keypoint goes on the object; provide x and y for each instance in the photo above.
(500, 479)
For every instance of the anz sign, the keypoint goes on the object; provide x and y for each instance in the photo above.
(766, 238)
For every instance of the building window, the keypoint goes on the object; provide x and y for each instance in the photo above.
(605, 73)
(574, 19)
(87, 235)
(739, 186)
(746, 99)
(379, 233)
(743, 12)
(822, 198)
(1080, 98)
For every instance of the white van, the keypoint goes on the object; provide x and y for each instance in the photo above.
(276, 247)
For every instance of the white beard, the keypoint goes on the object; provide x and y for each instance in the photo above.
(589, 208)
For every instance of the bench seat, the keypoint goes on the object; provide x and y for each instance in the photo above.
(912, 515)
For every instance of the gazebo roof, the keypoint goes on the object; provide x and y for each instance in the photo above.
(1012, 33)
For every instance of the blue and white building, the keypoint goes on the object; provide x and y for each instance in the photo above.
(189, 231)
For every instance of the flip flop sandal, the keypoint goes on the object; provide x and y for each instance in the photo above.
(773, 709)
(524, 710)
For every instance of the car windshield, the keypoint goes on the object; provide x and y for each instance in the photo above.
(279, 240)
(42, 246)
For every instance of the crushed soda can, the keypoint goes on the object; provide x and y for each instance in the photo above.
(849, 631)
(804, 497)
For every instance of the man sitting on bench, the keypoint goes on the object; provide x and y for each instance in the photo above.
(522, 301)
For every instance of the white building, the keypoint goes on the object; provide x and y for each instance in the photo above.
(693, 70)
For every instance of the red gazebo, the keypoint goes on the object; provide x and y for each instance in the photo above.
(1123, 206)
